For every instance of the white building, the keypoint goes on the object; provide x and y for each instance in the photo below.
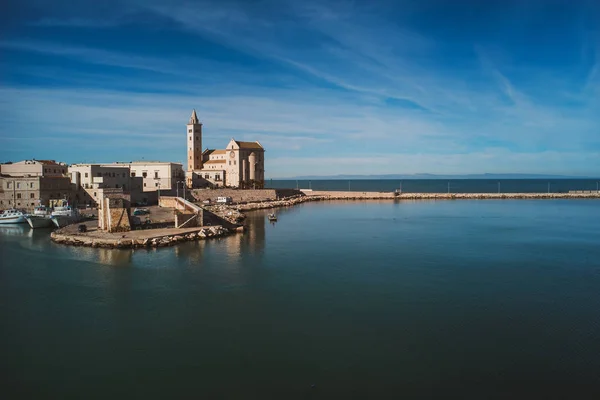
(156, 175)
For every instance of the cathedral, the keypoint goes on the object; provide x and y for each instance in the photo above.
(240, 164)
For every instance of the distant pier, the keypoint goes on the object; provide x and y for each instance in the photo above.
(346, 195)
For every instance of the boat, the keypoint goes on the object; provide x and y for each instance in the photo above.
(40, 218)
(65, 215)
(272, 217)
(13, 216)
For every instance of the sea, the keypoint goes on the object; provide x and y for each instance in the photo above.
(470, 299)
(441, 185)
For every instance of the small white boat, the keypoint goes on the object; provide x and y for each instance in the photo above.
(272, 217)
(65, 215)
(13, 216)
(40, 218)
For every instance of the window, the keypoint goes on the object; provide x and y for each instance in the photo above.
(31, 185)
(217, 177)
(189, 131)
(54, 171)
(133, 174)
(18, 185)
(155, 174)
(145, 174)
(8, 185)
(144, 184)
(234, 162)
(94, 194)
(207, 176)
(31, 195)
(156, 185)
(18, 195)
(229, 162)
(190, 138)
(117, 186)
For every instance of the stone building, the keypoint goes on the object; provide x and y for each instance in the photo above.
(240, 164)
(91, 180)
(34, 168)
(142, 180)
(26, 192)
(26, 184)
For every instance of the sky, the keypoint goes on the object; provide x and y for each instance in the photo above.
(336, 87)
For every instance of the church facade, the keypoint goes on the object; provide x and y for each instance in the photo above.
(239, 164)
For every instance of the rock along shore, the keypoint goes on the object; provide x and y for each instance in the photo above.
(138, 239)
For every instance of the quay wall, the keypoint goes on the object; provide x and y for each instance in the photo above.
(146, 239)
(243, 196)
(349, 195)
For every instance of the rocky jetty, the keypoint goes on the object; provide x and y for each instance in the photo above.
(123, 241)
(231, 214)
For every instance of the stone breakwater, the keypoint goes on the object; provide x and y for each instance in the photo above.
(141, 238)
(483, 196)
(329, 196)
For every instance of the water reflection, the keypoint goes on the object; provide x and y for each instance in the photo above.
(22, 230)
(228, 251)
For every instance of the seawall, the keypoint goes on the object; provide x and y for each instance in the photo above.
(341, 195)
(309, 196)
(243, 195)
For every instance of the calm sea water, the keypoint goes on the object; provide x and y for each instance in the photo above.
(472, 299)
(442, 185)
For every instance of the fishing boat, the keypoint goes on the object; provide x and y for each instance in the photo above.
(65, 215)
(12, 216)
(40, 218)
(272, 217)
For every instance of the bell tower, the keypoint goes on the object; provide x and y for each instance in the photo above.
(194, 143)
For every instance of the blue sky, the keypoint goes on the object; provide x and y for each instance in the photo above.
(338, 87)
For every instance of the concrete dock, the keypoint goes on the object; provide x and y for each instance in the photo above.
(138, 238)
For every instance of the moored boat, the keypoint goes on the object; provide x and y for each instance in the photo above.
(12, 216)
(40, 218)
(272, 217)
(65, 215)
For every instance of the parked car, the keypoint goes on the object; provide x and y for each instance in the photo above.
(224, 200)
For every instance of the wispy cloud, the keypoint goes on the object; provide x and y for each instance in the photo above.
(345, 81)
